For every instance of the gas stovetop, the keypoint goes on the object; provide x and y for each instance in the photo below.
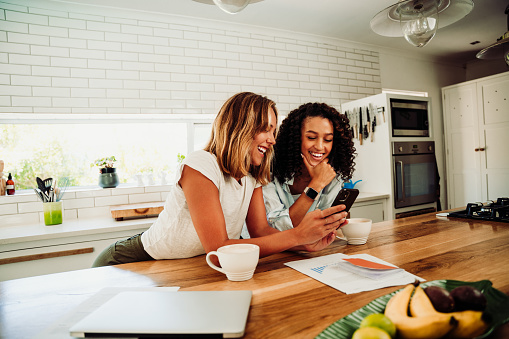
(494, 211)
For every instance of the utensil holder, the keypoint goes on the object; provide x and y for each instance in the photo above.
(53, 212)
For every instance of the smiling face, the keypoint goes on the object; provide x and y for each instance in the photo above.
(317, 136)
(263, 141)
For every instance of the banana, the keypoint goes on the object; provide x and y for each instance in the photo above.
(470, 323)
(426, 327)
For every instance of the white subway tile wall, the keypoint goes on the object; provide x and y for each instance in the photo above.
(70, 62)
(26, 208)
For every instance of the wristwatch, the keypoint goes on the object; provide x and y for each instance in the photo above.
(311, 193)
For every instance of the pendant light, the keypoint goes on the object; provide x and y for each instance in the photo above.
(418, 20)
(231, 6)
(500, 49)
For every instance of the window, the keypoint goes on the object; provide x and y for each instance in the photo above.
(68, 149)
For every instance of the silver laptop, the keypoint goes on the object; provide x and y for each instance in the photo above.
(168, 314)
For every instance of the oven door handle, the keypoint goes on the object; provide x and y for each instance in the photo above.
(403, 195)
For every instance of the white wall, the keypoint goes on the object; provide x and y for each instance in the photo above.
(416, 74)
(482, 68)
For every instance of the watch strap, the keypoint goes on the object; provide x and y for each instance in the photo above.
(311, 193)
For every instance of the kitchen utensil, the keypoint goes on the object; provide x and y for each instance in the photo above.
(381, 110)
(63, 183)
(40, 194)
(373, 125)
(353, 123)
(40, 184)
(368, 119)
(136, 210)
(51, 194)
(360, 126)
(48, 183)
(365, 126)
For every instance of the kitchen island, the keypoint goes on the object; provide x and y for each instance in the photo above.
(286, 303)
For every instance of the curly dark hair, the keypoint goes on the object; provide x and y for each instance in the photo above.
(287, 162)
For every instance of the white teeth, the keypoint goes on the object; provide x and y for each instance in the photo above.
(261, 149)
(318, 155)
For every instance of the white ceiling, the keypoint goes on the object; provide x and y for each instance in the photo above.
(342, 19)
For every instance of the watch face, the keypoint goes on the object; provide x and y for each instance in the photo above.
(311, 193)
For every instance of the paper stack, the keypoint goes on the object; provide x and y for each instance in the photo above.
(353, 274)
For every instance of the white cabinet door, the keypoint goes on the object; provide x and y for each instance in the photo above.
(476, 126)
(371, 210)
(74, 254)
(462, 138)
(494, 125)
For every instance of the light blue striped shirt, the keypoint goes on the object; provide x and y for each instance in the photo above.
(278, 200)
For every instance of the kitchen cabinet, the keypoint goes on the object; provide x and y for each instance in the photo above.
(37, 250)
(374, 210)
(476, 126)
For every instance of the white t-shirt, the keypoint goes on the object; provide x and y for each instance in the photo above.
(173, 235)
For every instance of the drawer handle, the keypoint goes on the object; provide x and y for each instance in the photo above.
(46, 255)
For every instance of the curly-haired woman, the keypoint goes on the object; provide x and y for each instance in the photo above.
(314, 153)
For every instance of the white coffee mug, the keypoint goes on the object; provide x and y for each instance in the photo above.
(238, 261)
(357, 230)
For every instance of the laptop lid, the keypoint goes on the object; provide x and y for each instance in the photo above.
(168, 314)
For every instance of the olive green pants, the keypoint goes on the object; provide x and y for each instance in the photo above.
(123, 252)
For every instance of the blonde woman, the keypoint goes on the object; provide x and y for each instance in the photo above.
(219, 188)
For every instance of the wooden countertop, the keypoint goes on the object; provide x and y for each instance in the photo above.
(286, 303)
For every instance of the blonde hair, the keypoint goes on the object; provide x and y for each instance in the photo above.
(239, 120)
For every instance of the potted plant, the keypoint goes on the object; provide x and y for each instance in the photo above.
(108, 177)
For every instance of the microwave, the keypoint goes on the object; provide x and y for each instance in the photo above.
(409, 118)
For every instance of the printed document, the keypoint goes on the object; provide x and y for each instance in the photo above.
(353, 273)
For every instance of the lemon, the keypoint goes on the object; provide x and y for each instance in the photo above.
(381, 321)
(369, 332)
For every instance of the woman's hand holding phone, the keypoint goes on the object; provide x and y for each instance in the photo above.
(318, 224)
(332, 219)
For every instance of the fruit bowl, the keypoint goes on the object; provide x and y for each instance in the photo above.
(497, 307)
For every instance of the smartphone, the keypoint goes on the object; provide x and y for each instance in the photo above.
(346, 197)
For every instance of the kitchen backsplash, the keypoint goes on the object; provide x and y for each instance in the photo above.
(25, 208)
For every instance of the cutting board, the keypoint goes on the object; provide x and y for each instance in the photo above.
(137, 210)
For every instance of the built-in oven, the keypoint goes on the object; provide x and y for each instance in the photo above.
(415, 173)
(409, 118)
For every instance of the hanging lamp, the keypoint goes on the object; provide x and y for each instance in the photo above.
(418, 20)
(500, 49)
(231, 6)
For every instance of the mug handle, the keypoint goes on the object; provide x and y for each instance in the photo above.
(211, 264)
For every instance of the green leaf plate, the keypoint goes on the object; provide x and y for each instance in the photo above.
(498, 308)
